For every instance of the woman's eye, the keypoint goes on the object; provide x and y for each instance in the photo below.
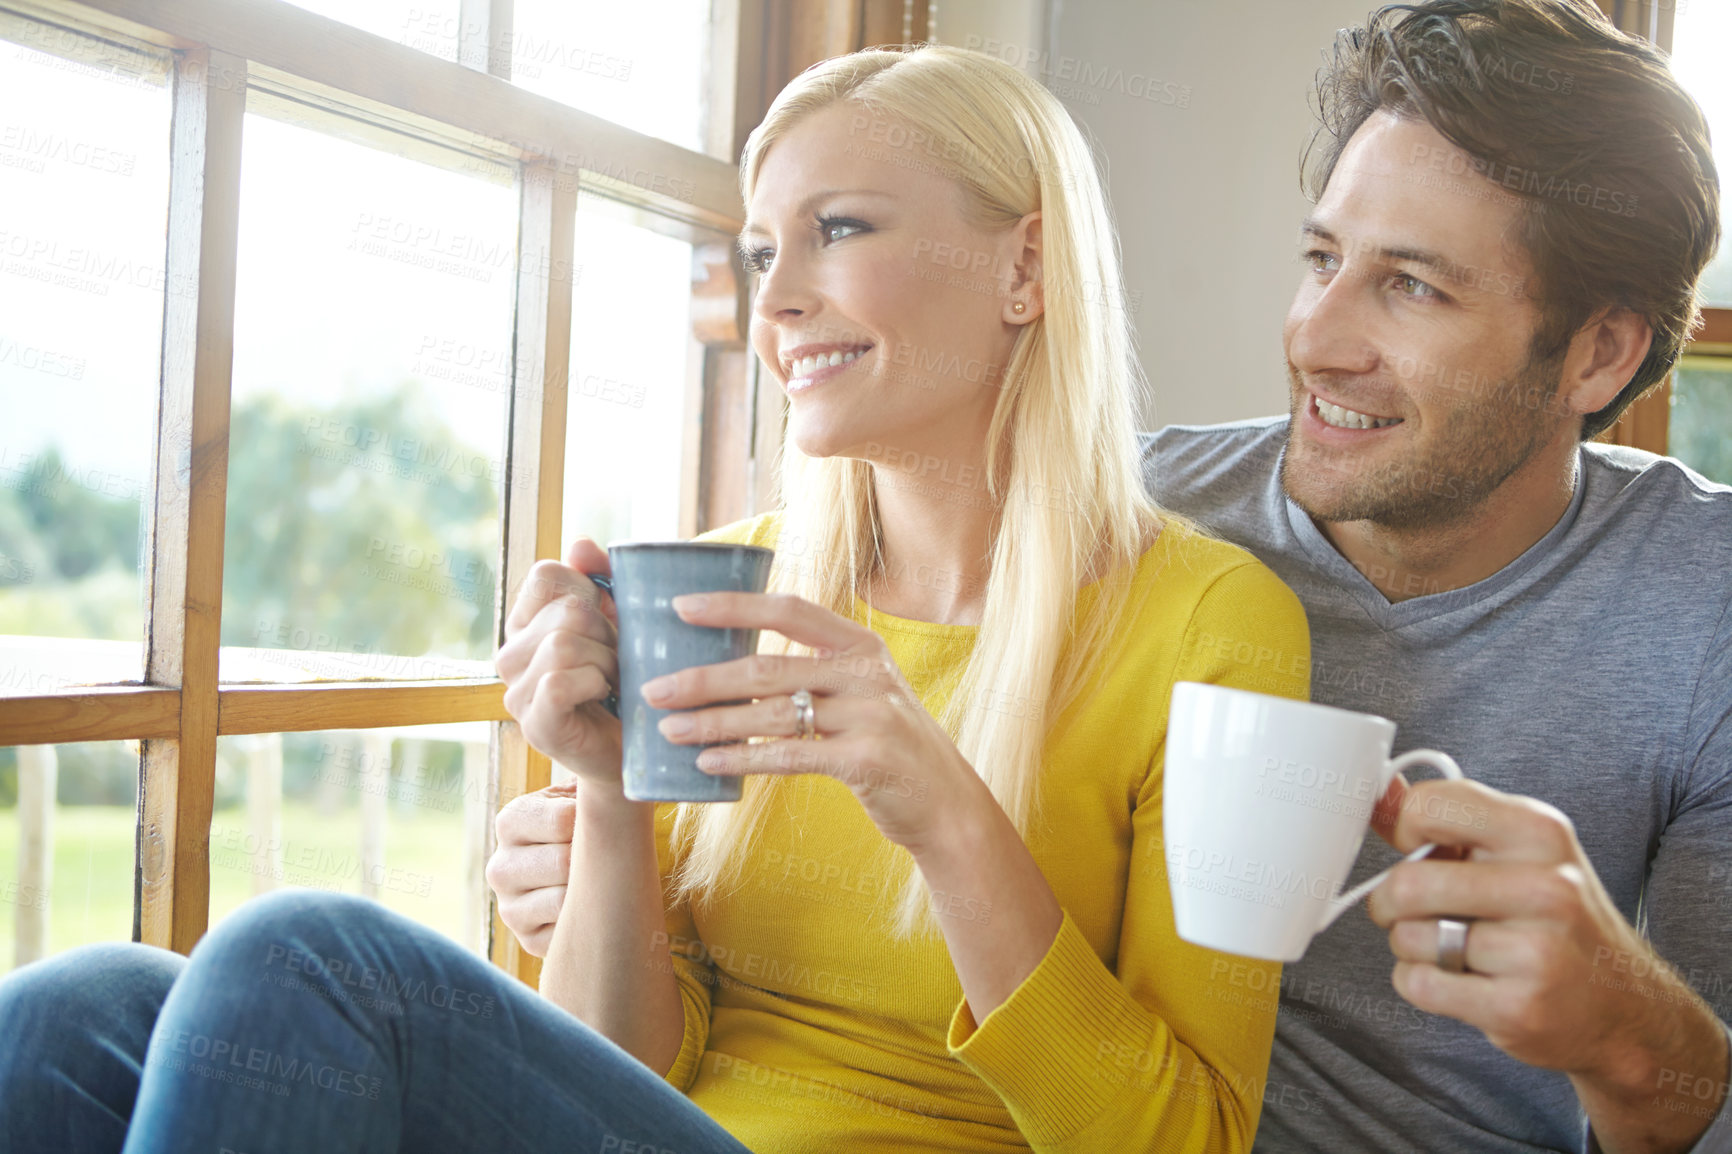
(834, 228)
(757, 260)
(830, 229)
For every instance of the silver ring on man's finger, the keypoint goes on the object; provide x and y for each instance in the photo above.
(1452, 945)
(805, 714)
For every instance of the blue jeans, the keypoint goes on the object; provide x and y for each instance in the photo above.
(315, 1022)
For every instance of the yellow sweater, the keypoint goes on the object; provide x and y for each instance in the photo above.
(810, 1028)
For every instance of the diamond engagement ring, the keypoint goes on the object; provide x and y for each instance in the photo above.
(1452, 945)
(805, 714)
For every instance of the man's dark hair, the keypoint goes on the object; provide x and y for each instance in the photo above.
(1584, 123)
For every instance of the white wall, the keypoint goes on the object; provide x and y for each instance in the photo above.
(1204, 183)
(972, 23)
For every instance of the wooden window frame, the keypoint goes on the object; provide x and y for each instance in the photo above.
(1714, 338)
(266, 56)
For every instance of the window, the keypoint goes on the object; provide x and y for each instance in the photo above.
(342, 261)
(84, 178)
(372, 368)
(630, 400)
(430, 26)
(643, 65)
(1699, 39)
(395, 814)
(1701, 416)
(1699, 419)
(67, 815)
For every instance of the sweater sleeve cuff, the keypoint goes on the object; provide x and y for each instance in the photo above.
(696, 1005)
(1049, 1051)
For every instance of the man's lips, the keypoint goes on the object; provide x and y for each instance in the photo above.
(1327, 414)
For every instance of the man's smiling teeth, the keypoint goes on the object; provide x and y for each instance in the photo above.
(1348, 419)
(806, 366)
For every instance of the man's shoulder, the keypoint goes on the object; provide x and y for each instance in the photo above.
(1656, 496)
(1185, 444)
(1639, 465)
(1213, 472)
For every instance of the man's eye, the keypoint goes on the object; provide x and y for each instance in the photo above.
(1412, 286)
(1320, 261)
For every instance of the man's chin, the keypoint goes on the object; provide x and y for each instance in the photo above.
(1318, 504)
(1331, 486)
(1336, 500)
(1315, 479)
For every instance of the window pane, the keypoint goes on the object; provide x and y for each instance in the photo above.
(643, 65)
(372, 349)
(428, 25)
(84, 185)
(1701, 34)
(632, 358)
(1700, 433)
(398, 815)
(67, 815)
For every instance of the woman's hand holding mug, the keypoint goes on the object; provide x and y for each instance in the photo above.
(874, 735)
(560, 663)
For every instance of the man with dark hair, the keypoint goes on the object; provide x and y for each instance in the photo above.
(1513, 204)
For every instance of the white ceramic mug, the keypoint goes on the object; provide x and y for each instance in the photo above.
(1266, 801)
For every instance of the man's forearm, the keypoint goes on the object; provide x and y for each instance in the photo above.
(1664, 1090)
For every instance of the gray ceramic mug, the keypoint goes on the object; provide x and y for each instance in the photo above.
(647, 576)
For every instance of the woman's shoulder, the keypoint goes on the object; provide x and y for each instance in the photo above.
(1217, 614)
(759, 530)
(1188, 570)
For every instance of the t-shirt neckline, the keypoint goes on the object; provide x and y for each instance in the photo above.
(1428, 605)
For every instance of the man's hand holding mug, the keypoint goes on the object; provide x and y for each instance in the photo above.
(1553, 974)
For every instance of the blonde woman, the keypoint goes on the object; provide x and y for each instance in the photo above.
(943, 924)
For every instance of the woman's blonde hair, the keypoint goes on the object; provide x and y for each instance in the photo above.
(1061, 466)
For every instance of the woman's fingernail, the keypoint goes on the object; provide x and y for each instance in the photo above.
(691, 603)
(659, 689)
(710, 760)
(677, 725)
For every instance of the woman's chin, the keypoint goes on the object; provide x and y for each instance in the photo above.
(821, 442)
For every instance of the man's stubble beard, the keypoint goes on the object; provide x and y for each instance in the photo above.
(1480, 444)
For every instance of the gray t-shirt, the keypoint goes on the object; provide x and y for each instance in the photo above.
(1593, 672)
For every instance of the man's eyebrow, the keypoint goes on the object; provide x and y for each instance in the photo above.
(817, 198)
(1443, 265)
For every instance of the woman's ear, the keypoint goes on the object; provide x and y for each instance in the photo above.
(1024, 300)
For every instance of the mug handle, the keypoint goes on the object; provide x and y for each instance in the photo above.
(1437, 760)
(604, 582)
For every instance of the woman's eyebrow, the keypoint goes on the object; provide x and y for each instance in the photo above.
(812, 202)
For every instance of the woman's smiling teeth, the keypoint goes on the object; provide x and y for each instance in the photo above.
(1348, 419)
(806, 366)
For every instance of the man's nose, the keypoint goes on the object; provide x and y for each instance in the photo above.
(1330, 328)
